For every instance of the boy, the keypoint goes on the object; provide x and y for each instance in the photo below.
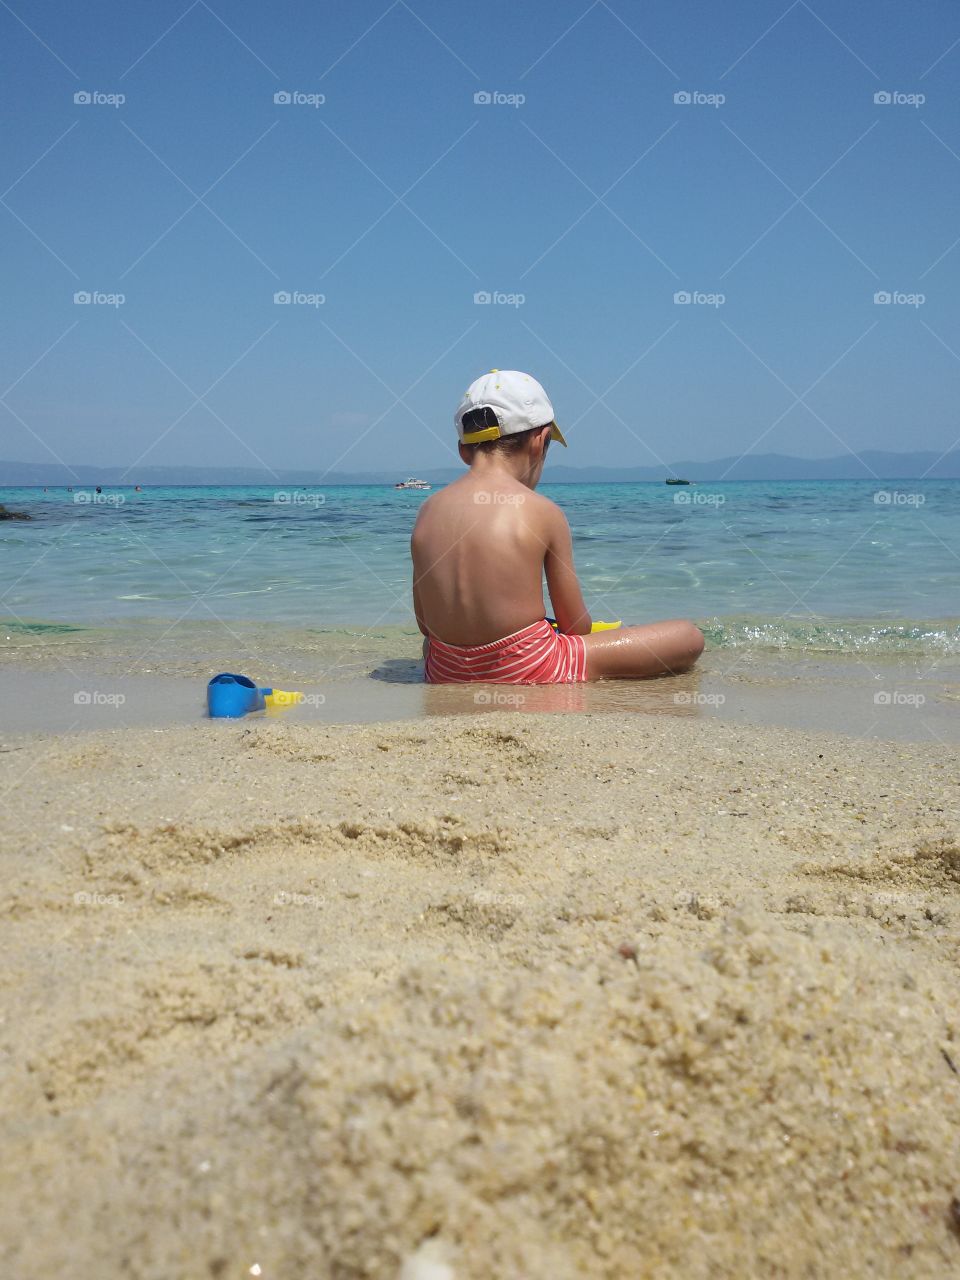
(482, 545)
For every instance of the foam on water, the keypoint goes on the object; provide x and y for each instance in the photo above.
(836, 635)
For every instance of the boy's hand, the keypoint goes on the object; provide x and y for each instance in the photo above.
(565, 594)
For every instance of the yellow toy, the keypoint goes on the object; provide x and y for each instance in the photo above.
(280, 698)
(597, 626)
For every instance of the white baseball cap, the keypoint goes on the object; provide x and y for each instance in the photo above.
(516, 402)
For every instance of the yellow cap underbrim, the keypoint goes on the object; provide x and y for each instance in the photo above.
(493, 433)
(478, 437)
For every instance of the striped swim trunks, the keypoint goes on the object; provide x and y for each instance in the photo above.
(535, 655)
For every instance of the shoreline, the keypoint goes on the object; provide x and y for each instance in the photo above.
(887, 700)
(72, 677)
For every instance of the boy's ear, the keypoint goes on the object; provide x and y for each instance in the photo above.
(466, 453)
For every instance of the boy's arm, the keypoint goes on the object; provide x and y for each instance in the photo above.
(416, 607)
(565, 594)
(418, 613)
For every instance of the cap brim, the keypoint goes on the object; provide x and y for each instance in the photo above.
(557, 434)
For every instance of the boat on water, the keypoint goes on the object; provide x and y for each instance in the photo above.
(412, 482)
(676, 480)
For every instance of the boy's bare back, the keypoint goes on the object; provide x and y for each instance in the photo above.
(480, 549)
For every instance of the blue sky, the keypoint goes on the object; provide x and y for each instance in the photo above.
(596, 199)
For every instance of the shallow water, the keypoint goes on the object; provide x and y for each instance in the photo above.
(844, 566)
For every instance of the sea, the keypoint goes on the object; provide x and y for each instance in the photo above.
(859, 567)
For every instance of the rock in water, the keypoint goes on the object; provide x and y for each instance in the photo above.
(13, 515)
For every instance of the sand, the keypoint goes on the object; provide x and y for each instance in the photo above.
(499, 996)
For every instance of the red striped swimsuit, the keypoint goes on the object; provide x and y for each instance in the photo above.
(535, 655)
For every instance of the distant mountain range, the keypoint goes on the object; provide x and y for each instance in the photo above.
(871, 464)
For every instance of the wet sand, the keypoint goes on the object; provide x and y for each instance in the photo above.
(62, 678)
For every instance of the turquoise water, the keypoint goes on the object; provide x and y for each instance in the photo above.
(820, 565)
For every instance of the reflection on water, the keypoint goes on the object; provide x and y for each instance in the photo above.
(669, 695)
(897, 700)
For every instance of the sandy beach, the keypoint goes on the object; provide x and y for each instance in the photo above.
(354, 355)
(507, 995)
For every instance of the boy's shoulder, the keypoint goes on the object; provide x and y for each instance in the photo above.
(464, 492)
(545, 503)
(545, 507)
(539, 515)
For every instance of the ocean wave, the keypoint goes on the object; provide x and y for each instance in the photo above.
(894, 638)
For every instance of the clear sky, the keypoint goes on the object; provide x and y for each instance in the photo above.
(583, 189)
